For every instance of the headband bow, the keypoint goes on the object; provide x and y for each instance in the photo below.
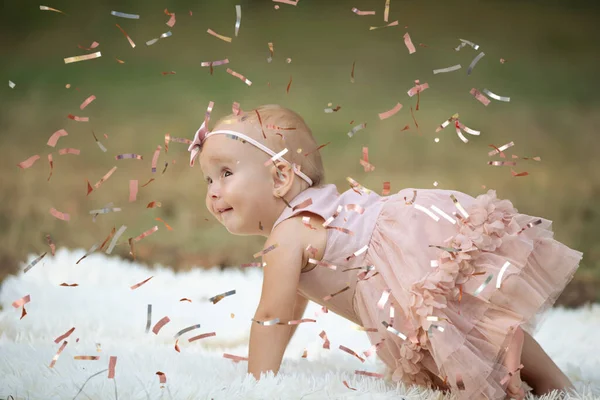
(197, 143)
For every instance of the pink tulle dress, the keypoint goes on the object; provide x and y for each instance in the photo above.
(459, 281)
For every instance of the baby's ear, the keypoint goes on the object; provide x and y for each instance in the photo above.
(283, 178)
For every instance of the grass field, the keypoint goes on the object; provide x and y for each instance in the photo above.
(549, 73)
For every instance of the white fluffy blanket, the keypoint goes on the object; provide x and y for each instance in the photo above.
(110, 320)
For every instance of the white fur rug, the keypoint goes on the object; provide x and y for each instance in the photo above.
(110, 320)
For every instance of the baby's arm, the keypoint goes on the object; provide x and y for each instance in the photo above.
(299, 309)
(280, 284)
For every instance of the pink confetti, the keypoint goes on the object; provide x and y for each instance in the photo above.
(78, 119)
(418, 89)
(87, 102)
(480, 97)
(155, 157)
(409, 44)
(60, 215)
(64, 335)
(133, 189)
(361, 13)
(29, 162)
(55, 136)
(22, 301)
(160, 324)
(112, 363)
(69, 150)
(391, 112)
(162, 377)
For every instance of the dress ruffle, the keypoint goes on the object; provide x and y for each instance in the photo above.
(457, 321)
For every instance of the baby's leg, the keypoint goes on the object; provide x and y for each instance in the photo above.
(540, 372)
(512, 361)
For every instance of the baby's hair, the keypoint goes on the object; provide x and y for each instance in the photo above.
(283, 128)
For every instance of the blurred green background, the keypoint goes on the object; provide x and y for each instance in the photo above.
(550, 73)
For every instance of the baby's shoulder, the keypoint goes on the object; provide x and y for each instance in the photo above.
(303, 233)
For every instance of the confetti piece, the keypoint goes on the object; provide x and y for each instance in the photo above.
(417, 89)
(166, 225)
(55, 136)
(386, 189)
(85, 57)
(129, 156)
(495, 96)
(357, 187)
(323, 336)
(172, 20)
(11, 84)
(22, 301)
(502, 163)
(37, 260)
(238, 18)
(231, 356)
(301, 321)
(60, 215)
(241, 77)
(323, 263)
(92, 46)
(105, 210)
(351, 352)
(344, 382)
(330, 296)
(133, 189)
(305, 354)
(502, 271)
(204, 335)
(64, 335)
(389, 328)
(443, 214)
(356, 129)
(51, 244)
(87, 358)
(189, 328)
(147, 183)
(147, 233)
(46, 8)
(225, 38)
(361, 13)
(161, 377)
(78, 119)
(475, 61)
(466, 42)
(29, 162)
(51, 166)
(55, 358)
(160, 324)
(480, 97)
(125, 15)
(155, 157)
(459, 382)
(126, 35)
(530, 225)
(87, 102)
(395, 23)
(162, 36)
(426, 211)
(99, 144)
(500, 149)
(112, 363)
(115, 238)
(278, 156)
(332, 110)
(448, 69)
(287, 90)
(149, 318)
(137, 285)
(409, 44)
(265, 251)
(352, 72)
(219, 297)
(372, 374)
(358, 252)
(483, 285)
(391, 112)
(69, 284)
(384, 298)
(386, 12)
(105, 177)
(267, 323)
(317, 149)
(516, 174)
(69, 150)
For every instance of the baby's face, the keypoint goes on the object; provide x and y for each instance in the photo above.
(239, 186)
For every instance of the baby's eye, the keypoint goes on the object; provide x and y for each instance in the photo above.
(226, 172)
(208, 180)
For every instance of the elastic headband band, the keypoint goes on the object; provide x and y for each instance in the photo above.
(202, 134)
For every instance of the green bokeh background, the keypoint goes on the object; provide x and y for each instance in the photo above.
(550, 75)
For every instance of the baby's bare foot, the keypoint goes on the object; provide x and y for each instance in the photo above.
(514, 390)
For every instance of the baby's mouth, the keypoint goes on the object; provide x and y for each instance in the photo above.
(224, 210)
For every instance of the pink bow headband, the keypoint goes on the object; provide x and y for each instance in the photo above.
(202, 133)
